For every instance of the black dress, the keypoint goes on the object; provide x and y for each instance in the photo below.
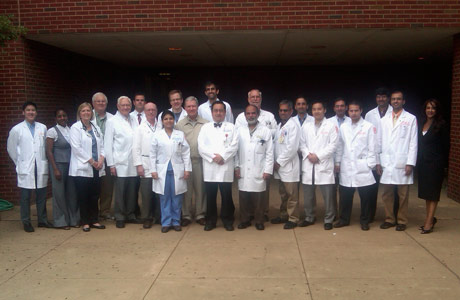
(432, 157)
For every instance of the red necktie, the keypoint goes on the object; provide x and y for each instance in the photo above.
(139, 119)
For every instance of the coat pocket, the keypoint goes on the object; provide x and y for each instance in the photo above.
(401, 160)
(361, 166)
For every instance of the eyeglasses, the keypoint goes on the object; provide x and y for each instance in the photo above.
(284, 110)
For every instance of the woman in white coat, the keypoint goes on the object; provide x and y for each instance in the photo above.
(170, 166)
(87, 165)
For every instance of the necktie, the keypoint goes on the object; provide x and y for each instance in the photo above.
(217, 125)
(139, 118)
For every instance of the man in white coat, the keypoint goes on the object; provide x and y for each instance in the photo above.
(301, 107)
(355, 159)
(139, 102)
(287, 166)
(211, 91)
(26, 148)
(118, 143)
(340, 108)
(382, 97)
(142, 142)
(217, 145)
(398, 158)
(100, 117)
(318, 143)
(176, 100)
(253, 167)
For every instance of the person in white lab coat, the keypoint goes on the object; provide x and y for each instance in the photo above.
(217, 145)
(26, 148)
(100, 117)
(301, 107)
(340, 109)
(382, 98)
(170, 166)
(118, 143)
(142, 142)
(211, 90)
(287, 166)
(397, 159)
(58, 151)
(253, 167)
(318, 143)
(355, 158)
(176, 100)
(139, 102)
(87, 165)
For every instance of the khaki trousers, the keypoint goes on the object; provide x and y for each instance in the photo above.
(289, 208)
(195, 186)
(388, 201)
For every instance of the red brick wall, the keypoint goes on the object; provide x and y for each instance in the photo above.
(453, 190)
(64, 16)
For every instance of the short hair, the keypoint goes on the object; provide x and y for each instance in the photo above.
(260, 93)
(318, 101)
(58, 110)
(286, 102)
(165, 113)
(99, 94)
(139, 94)
(218, 102)
(174, 92)
(83, 105)
(300, 97)
(191, 98)
(208, 83)
(123, 97)
(252, 105)
(27, 103)
(355, 102)
(339, 99)
(398, 91)
(382, 91)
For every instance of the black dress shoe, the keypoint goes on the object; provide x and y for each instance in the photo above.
(201, 221)
(260, 226)
(28, 227)
(185, 222)
(165, 229)
(290, 225)
(327, 226)
(306, 223)
(244, 225)
(100, 226)
(365, 227)
(46, 225)
(400, 227)
(209, 227)
(278, 220)
(386, 225)
(177, 228)
(120, 224)
(86, 229)
(147, 224)
(426, 231)
(340, 224)
(229, 227)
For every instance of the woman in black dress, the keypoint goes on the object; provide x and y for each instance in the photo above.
(433, 153)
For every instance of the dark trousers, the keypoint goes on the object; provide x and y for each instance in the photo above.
(346, 203)
(227, 208)
(374, 192)
(126, 196)
(40, 201)
(252, 202)
(88, 189)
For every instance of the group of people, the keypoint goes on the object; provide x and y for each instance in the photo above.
(179, 160)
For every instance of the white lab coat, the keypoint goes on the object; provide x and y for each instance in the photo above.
(118, 144)
(336, 122)
(204, 111)
(81, 144)
(142, 143)
(399, 148)
(356, 153)
(25, 150)
(309, 119)
(182, 115)
(174, 149)
(109, 116)
(323, 142)
(286, 142)
(265, 118)
(134, 115)
(223, 141)
(254, 158)
(373, 116)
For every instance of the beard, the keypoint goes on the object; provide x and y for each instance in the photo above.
(252, 122)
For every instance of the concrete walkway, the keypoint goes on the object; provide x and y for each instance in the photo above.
(305, 263)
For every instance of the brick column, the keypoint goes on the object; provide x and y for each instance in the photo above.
(453, 190)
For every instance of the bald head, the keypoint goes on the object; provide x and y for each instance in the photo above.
(151, 111)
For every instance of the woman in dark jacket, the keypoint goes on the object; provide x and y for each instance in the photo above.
(433, 153)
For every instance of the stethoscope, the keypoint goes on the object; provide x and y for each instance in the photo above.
(83, 127)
